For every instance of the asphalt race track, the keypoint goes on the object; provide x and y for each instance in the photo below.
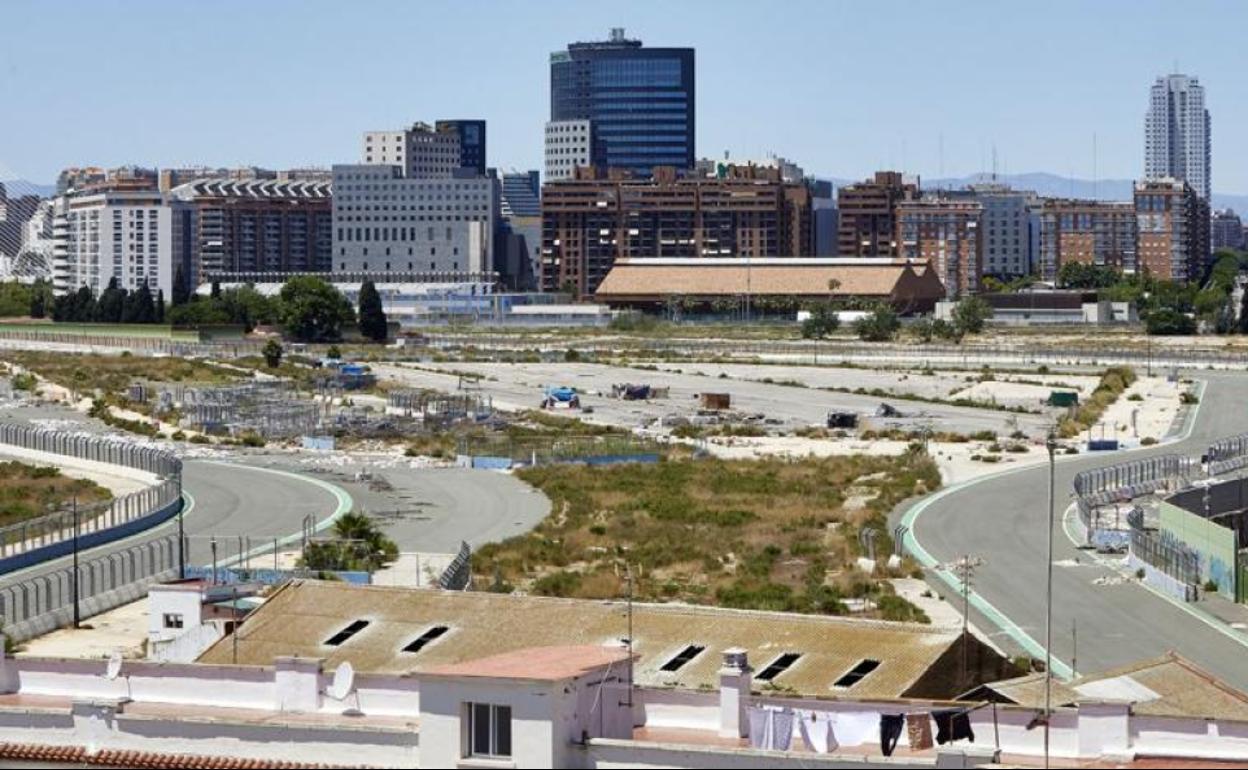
(1002, 520)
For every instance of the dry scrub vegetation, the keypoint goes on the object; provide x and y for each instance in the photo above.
(772, 534)
(27, 491)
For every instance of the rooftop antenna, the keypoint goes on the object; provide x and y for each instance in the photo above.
(940, 151)
(343, 686)
(994, 161)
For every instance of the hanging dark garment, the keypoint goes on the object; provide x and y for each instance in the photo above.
(952, 725)
(890, 732)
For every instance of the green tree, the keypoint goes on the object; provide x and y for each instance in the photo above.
(944, 330)
(200, 311)
(922, 330)
(313, 311)
(970, 315)
(40, 298)
(1168, 321)
(880, 325)
(358, 544)
(160, 306)
(15, 299)
(181, 287)
(822, 322)
(372, 316)
(1076, 275)
(111, 303)
(139, 307)
(272, 353)
(334, 352)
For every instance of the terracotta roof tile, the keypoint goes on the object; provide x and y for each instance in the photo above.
(78, 755)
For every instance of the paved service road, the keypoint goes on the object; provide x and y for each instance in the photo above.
(1002, 520)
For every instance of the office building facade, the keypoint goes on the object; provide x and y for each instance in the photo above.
(471, 134)
(385, 221)
(1173, 226)
(1177, 142)
(222, 226)
(866, 223)
(589, 222)
(569, 146)
(1226, 230)
(422, 151)
(1088, 232)
(948, 235)
(640, 101)
(1006, 228)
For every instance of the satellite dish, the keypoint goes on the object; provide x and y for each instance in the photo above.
(344, 681)
(114, 666)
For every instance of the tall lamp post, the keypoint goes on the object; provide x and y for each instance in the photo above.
(77, 612)
(1050, 444)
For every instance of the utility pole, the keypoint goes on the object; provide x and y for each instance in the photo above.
(77, 611)
(181, 542)
(629, 573)
(964, 568)
(1050, 444)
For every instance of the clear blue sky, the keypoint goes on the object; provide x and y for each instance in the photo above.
(840, 87)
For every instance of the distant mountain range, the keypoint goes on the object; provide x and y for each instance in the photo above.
(1056, 186)
(1039, 182)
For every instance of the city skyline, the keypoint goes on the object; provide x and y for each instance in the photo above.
(827, 110)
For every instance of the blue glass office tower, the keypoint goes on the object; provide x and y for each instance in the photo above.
(640, 101)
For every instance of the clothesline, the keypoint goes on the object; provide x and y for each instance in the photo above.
(771, 727)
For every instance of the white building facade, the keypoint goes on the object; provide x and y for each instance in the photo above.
(385, 221)
(122, 235)
(569, 144)
(421, 150)
(1177, 133)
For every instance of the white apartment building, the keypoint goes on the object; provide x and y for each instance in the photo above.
(1177, 133)
(421, 151)
(385, 221)
(569, 145)
(124, 235)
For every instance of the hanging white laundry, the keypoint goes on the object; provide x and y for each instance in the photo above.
(760, 727)
(817, 732)
(856, 728)
(782, 730)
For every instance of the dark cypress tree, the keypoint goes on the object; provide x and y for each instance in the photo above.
(181, 287)
(216, 290)
(39, 299)
(160, 306)
(144, 305)
(372, 316)
(111, 303)
(84, 305)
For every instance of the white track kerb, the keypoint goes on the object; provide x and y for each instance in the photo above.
(999, 618)
(345, 504)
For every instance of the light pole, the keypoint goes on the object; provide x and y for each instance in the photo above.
(77, 612)
(1050, 444)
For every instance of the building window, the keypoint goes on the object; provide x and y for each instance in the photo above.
(489, 730)
(172, 620)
